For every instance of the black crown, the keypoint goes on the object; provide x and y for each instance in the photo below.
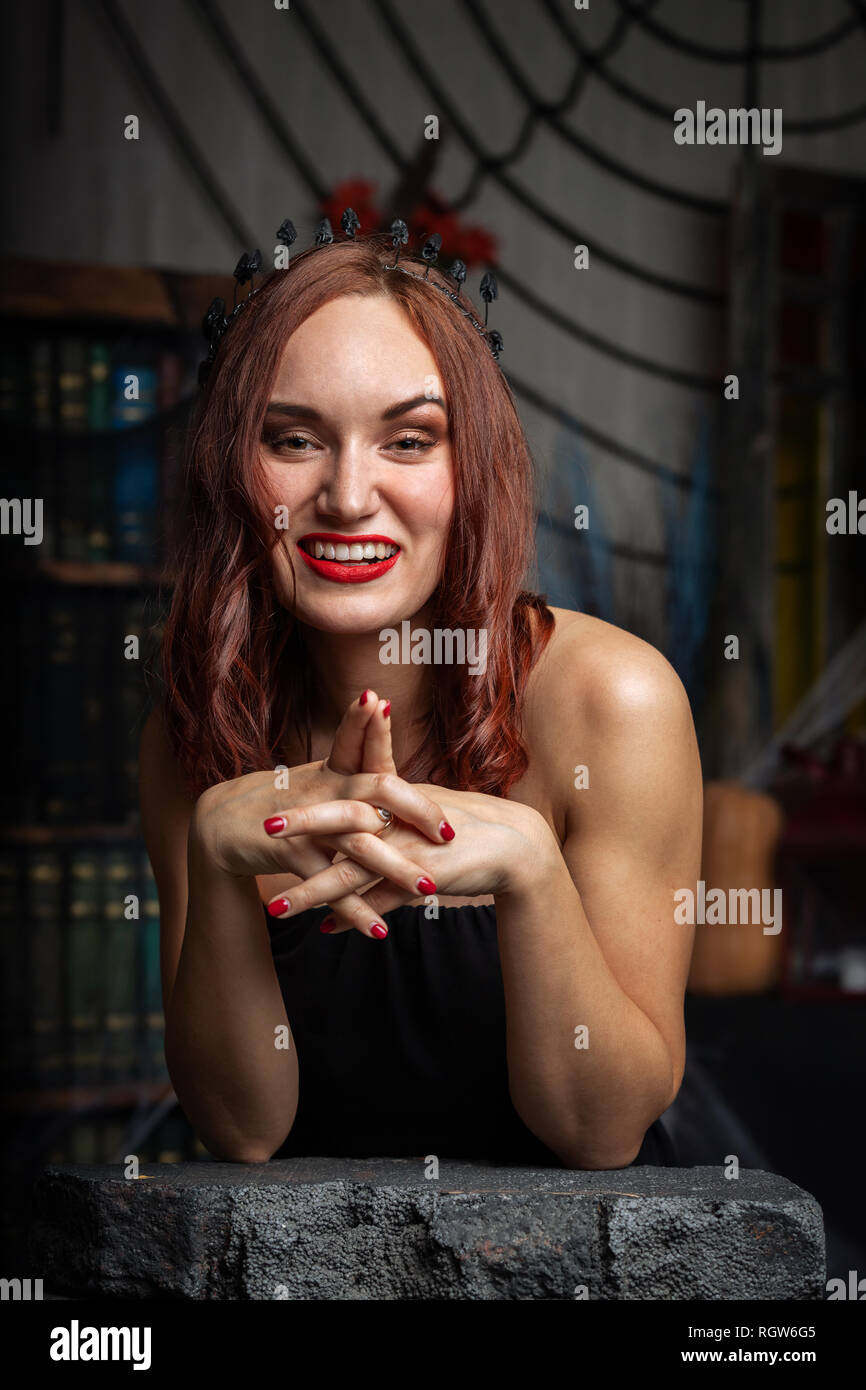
(217, 321)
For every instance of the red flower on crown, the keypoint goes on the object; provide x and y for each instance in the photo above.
(469, 242)
(353, 193)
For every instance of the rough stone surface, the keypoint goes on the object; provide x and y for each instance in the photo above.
(326, 1228)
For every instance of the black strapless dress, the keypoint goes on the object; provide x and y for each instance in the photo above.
(401, 1042)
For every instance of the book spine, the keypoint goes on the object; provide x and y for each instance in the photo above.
(94, 776)
(136, 468)
(129, 693)
(121, 915)
(63, 732)
(171, 387)
(155, 1068)
(86, 959)
(42, 418)
(74, 451)
(99, 419)
(45, 892)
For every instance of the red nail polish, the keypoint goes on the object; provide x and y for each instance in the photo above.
(426, 885)
(376, 930)
(274, 824)
(328, 924)
(279, 906)
(362, 698)
(445, 831)
(386, 709)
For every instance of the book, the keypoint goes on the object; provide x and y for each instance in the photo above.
(86, 959)
(62, 731)
(44, 968)
(42, 420)
(154, 1059)
(99, 418)
(120, 964)
(131, 703)
(136, 456)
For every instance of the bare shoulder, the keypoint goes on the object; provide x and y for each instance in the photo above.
(605, 674)
(602, 699)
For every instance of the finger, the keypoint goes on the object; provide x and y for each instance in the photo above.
(377, 753)
(352, 830)
(347, 910)
(348, 746)
(324, 818)
(381, 899)
(385, 861)
(346, 875)
(403, 799)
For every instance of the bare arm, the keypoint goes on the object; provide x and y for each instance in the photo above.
(226, 1025)
(594, 965)
(221, 996)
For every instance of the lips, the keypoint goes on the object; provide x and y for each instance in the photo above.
(344, 571)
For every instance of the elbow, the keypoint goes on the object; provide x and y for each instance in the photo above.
(253, 1156)
(246, 1148)
(599, 1152)
(242, 1153)
(598, 1160)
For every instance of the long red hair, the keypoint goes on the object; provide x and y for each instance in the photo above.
(233, 662)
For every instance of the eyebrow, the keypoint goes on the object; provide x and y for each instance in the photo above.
(308, 413)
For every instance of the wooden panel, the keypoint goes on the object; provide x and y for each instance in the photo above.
(50, 289)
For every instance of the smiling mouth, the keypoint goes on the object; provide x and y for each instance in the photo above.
(346, 553)
(342, 560)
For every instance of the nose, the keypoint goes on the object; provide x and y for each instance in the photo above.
(349, 487)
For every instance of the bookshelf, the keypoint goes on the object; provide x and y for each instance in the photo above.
(97, 375)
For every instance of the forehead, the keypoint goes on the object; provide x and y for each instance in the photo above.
(363, 342)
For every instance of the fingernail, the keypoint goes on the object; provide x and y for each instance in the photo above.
(445, 831)
(328, 924)
(426, 885)
(376, 929)
(279, 906)
(362, 698)
(275, 824)
(386, 709)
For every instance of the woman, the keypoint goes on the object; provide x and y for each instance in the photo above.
(511, 986)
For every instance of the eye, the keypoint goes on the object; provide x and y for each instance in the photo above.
(288, 443)
(412, 444)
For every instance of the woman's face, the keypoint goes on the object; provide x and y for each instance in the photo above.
(356, 448)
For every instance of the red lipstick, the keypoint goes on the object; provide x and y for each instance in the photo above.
(338, 571)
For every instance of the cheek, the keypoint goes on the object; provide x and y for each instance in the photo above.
(430, 501)
(280, 484)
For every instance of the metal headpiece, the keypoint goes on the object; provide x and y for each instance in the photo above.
(216, 321)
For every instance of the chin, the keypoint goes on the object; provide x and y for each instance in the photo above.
(354, 613)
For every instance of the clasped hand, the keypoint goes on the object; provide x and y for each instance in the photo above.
(479, 842)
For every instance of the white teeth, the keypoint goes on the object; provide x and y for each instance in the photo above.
(350, 553)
